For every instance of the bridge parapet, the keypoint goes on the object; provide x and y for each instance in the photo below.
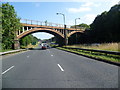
(31, 25)
(45, 23)
(42, 23)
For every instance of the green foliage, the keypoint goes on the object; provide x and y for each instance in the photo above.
(30, 39)
(105, 27)
(83, 25)
(102, 56)
(10, 25)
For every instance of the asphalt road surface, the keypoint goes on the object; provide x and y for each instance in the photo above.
(53, 68)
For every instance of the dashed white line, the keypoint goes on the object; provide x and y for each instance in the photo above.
(8, 69)
(60, 67)
(51, 55)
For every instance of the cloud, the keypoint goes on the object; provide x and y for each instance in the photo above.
(77, 10)
(70, 22)
(87, 4)
(91, 4)
(88, 19)
(91, 1)
(58, 0)
(112, 3)
(42, 35)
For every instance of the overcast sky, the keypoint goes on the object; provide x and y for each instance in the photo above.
(43, 10)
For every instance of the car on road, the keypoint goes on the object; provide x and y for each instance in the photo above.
(44, 45)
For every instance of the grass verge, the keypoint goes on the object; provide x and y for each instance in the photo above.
(112, 58)
(5, 50)
(102, 46)
(14, 52)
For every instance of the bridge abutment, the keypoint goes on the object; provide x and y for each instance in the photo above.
(16, 44)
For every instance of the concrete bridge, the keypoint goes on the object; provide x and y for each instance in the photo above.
(62, 32)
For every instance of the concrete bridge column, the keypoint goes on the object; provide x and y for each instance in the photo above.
(65, 36)
(27, 28)
(19, 32)
(23, 29)
(16, 44)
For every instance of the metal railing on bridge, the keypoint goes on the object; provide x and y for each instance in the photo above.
(42, 23)
(45, 23)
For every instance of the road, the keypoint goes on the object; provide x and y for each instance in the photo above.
(53, 68)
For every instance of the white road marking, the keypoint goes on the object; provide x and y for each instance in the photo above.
(60, 67)
(51, 55)
(8, 69)
(28, 56)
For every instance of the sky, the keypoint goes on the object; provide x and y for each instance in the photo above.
(43, 10)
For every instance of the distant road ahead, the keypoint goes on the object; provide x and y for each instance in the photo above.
(54, 68)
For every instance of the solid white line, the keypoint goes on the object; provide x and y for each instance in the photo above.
(60, 67)
(8, 69)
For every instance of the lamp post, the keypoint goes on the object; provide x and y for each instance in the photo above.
(75, 22)
(76, 28)
(63, 17)
(65, 32)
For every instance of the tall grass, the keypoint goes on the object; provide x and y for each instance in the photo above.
(94, 55)
(103, 46)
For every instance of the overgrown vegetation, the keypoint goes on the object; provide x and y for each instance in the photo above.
(104, 29)
(103, 46)
(28, 41)
(83, 25)
(10, 25)
(113, 58)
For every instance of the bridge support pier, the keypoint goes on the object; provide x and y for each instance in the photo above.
(66, 41)
(16, 44)
(65, 36)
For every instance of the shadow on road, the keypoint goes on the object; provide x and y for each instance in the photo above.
(37, 48)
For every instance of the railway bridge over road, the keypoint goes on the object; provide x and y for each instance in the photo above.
(62, 32)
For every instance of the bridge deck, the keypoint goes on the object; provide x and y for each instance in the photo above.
(51, 27)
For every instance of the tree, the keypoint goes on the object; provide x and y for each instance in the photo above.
(30, 39)
(83, 25)
(105, 27)
(10, 25)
